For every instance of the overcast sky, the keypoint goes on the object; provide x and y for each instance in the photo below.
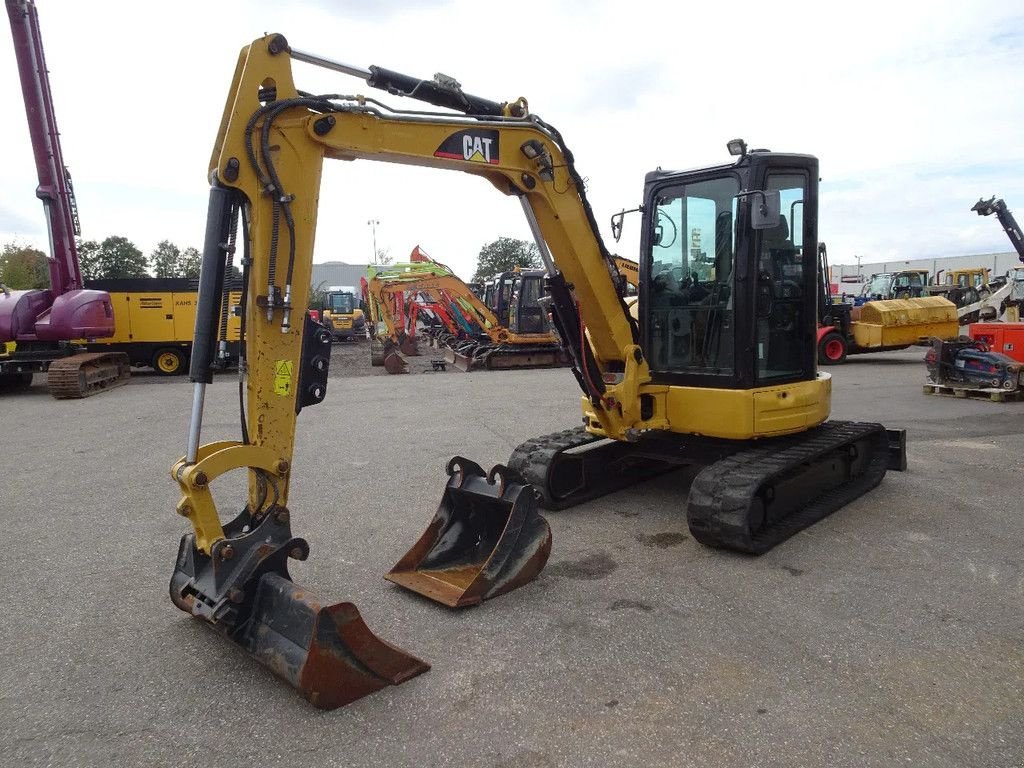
(914, 110)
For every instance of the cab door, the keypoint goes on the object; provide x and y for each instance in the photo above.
(785, 274)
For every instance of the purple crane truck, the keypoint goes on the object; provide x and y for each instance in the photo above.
(40, 329)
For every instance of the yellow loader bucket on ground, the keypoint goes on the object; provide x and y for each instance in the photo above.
(487, 538)
(244, 591)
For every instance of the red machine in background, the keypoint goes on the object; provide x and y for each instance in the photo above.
(1007, 338)
(38, 328)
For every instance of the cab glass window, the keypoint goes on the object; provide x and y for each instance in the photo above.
(341, 303)
(691, 263)
(781, 284)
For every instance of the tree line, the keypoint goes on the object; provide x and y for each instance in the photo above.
(115, 257)
(504, 255)
(118, 257)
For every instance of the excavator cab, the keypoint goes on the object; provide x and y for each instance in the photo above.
(525, 313)
(498, 296)
(724, 289)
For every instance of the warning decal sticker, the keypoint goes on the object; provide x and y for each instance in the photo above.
(283, 377)
(478, 145)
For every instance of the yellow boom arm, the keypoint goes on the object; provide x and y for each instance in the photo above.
(269, 154)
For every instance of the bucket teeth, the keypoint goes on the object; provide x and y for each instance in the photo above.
(487, 538)
(326, 652)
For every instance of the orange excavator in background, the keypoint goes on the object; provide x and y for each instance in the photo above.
(526, 341)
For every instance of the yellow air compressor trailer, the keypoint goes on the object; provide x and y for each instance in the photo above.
(155, 319)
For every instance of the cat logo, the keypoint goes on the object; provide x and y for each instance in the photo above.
(477, 145)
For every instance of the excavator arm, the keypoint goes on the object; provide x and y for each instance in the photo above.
(265, 172)
(458, 291)
(1006, 219)
(269, 156)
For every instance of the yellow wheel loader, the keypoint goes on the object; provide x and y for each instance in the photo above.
(717, 369)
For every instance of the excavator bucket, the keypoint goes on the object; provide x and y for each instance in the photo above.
(326, 652)
(408, 346)
(394, 363)
(486, 539)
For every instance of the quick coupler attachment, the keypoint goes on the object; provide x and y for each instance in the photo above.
(244, 591)
(487, 538)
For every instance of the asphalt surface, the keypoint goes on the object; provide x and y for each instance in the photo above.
(889, 634)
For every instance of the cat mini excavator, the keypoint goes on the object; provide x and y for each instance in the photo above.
(719, 369)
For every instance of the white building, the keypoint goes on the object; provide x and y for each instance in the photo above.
(847, 279)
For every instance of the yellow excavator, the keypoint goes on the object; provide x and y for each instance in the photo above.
(717, 369)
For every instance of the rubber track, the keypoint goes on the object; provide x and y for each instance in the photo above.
(721, 494)
(534, 459)
(87, 373)
(479, 354)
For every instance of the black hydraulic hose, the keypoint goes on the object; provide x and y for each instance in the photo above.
(228, 269)
(211, 283)
(246, 265)
(282, 202)
(432, 92)
(272, 182)
(568, 323)
(268, 178)
(578, 182)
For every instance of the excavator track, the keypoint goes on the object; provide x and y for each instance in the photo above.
(749, 497)
(87, 373)
(756, 498)
(472, 356)
(573, 466)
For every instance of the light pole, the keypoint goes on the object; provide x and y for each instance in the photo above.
(373, 227)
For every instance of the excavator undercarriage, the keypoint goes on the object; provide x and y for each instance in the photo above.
(748, 497)
(87, 373)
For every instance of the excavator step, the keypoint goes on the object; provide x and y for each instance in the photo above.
(87, 373)
(486, 539)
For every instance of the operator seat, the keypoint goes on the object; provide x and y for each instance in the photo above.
(781, 293)
(776, 238)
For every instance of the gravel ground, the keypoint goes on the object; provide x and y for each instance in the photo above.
(888, 634)
(352, 358)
